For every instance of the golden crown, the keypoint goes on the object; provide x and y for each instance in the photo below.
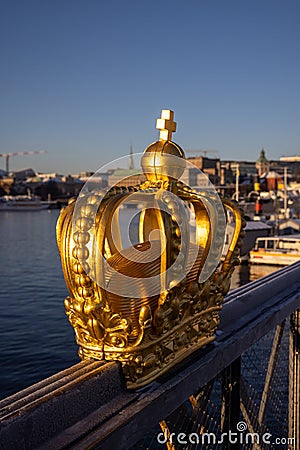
(152, 303)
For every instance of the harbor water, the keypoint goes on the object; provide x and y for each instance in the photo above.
(36, 339)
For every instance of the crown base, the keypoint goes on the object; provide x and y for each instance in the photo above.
(152, 358)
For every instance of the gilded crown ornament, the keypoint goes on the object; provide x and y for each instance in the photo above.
(150, 304)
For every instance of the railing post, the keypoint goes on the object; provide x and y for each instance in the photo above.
(294, 381)
(231, 381)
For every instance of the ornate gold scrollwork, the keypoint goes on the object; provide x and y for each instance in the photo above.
(149, 314)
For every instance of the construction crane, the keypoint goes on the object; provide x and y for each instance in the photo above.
(203, 152)
(8, 155)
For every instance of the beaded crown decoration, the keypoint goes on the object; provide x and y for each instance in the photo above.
(152, 303)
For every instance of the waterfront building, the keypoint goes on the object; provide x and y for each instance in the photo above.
(291, 162)
(289, 226)
(262, 164)
(55, 187)
(273, 181)
(210, 166)
(290, 159)
(125, 177)
(23, 174)
(6, 183)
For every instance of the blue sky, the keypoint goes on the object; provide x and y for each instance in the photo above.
(84, 80)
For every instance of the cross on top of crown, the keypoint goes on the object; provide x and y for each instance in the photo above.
(166, 125)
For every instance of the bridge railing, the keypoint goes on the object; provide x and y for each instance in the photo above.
(244, 386)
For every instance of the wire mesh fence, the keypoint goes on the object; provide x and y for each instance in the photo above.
(261, 380)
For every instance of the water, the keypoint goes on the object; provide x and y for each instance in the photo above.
(246, 273)
(36, 339)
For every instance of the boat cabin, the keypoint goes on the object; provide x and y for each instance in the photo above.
(281, 243)
(278, 250)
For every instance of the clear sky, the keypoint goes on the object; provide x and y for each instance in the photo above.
(85, 79)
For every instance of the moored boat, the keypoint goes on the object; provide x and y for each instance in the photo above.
(22, 203)
(276, 250)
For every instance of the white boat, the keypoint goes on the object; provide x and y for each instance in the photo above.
(22, 203)
(276, 250)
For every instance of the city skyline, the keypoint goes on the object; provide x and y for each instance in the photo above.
(85, 81)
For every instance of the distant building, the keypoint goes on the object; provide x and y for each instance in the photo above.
(273, 180)
(82, 175)
(246, 170)
(289, 226)
(6, 183)
(23, 174)
(209, 166)
(96, 180)
(126, 177)
(290, 158)
(54, 176)
(262, 164)
(292, 164)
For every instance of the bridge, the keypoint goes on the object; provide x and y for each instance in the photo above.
(245, 385)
